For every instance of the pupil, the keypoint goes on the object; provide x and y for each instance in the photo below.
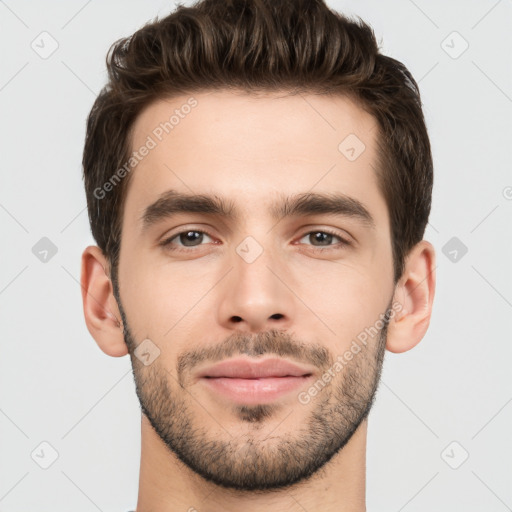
(190, 234)
(321, 237)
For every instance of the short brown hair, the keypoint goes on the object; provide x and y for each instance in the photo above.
(260, 45)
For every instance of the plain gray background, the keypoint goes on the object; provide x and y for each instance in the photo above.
(439, 434)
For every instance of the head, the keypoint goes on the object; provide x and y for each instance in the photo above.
(257, 124)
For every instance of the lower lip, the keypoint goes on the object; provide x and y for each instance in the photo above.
(254, 391)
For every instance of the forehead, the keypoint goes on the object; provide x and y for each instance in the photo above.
(249, 147)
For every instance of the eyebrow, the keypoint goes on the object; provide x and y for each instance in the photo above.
(173, 202)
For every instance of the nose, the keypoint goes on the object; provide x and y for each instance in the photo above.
(256, 295)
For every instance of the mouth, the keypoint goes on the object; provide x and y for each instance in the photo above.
(250, 381)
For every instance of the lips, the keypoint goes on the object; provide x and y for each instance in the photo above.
(253, 381)
(240, 368)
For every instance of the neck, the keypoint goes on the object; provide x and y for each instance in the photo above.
(168, 485)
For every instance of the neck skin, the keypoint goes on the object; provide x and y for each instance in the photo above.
(167, 485)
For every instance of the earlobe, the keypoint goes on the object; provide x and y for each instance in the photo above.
(415, 294)
(101, 311)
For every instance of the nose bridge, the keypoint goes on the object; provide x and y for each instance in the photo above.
(254, 297)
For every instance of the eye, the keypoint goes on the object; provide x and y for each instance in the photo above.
(324, 239)
(186, 240)
(189, 238)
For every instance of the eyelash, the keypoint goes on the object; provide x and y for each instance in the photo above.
(343, 242)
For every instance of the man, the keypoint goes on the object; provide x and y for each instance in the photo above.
(258, 180)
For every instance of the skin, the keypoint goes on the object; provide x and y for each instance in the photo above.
(300, 298)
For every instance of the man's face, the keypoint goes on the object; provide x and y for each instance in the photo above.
(256, 285)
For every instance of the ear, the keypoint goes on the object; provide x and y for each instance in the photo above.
(101, 311)
(415, 294)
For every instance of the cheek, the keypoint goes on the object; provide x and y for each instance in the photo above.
(345, 299)
(161, 297)
(140, 288)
